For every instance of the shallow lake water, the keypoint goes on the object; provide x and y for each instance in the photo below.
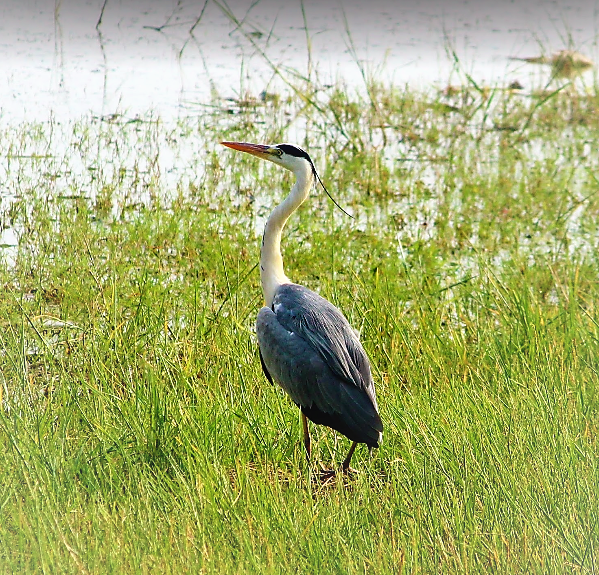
(145, 55)
(172, 58)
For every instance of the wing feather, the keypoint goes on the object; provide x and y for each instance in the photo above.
(311, 351)
(264, 368)
(325, 328)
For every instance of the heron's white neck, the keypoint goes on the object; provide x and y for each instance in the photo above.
(272, 274)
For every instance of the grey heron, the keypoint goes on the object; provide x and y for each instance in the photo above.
(306, 344)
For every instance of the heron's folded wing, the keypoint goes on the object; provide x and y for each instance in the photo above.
(264, 368)
(291, 361)
(307, 378)
(324, 328)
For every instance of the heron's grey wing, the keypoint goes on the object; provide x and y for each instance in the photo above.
(304, 374)
(264, 368)
(325, 328)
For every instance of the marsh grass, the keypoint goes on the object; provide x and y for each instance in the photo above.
(138, 432)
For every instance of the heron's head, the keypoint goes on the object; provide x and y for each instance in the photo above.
(286, 155)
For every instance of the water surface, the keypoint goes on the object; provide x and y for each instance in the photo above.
(143, 56)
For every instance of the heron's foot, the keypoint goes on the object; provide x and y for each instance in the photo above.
(328, 475)
(331, 475)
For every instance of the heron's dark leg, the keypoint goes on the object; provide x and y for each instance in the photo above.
(306, 435)
(347, 460)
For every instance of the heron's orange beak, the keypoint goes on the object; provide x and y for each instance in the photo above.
(255, 149)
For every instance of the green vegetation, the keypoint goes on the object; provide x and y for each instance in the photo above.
(138, 434)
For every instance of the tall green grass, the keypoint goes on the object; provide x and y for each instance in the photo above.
(138, 432)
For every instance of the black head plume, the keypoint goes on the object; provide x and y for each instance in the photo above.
(299, 153)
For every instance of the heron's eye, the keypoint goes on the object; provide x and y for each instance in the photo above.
(278, 152)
